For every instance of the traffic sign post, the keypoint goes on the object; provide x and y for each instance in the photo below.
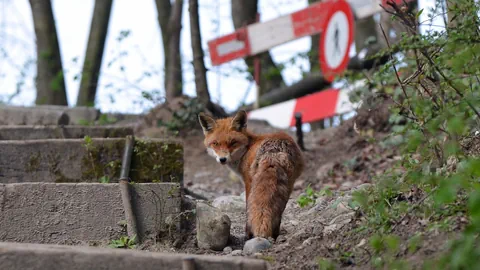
(335, 40)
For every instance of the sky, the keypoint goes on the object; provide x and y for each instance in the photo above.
(135, 64)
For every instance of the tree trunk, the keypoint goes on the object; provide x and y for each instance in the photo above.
(170, 22)
(174, 75)
(94, 53)
(450, 14)
(365, 33)
(49, 81)
(198, 64)
(244, 12)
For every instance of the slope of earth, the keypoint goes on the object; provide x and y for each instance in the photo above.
(328, 231)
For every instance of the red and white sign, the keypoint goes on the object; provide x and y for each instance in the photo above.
(229, 47)
(260, 37)
(335, 40)
(313, 107)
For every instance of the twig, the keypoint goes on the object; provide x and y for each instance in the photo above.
(396, 72)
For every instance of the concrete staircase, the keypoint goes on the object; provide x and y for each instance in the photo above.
(59, 186)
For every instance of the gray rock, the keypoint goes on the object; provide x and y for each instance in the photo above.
(243, 196)
(255, 245)
(237, 252)
(213, 227)
(227, 250)
(229, 203)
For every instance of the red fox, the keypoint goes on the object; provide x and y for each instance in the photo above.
(269, 165)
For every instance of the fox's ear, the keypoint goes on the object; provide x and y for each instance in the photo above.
(207, 122)
(239, 122)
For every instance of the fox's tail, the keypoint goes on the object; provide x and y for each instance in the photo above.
(268, 196)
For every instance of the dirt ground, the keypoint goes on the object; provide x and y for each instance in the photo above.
(339, 158)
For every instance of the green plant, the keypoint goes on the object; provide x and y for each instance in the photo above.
(326, 264)
(310, 196)
(104, 179)
(185, 117)
(124, 242)
(433, 81)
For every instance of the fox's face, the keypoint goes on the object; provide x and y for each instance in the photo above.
(225, 139)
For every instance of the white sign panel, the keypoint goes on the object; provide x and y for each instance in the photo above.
(266, 35)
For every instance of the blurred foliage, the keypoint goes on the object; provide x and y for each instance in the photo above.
(433, 81)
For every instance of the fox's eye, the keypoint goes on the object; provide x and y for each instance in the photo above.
(215, 143)
(233, 142)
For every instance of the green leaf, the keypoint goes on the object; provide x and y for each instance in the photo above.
(393, 242)
(376, 242)
(456, 125)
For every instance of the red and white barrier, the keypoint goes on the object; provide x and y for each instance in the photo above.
(313, 107)
(333, 19)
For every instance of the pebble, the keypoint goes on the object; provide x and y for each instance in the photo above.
(237, 252)
(227, 250)
(255, 245)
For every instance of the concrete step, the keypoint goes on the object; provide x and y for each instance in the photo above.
(38, 257)
(62, 132)
(89, 160)
(84, 212)
(47, 115)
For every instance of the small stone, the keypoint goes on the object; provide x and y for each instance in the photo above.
(227, 250)
(213, 227)
(362, 243)
(237, 252)
(256, 245)
(243, 196)
(294, 222)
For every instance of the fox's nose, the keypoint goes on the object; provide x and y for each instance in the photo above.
(223, 160)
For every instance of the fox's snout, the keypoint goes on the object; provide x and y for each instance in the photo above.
(221, 157)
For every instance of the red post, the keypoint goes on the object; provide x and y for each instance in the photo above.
(256, 75)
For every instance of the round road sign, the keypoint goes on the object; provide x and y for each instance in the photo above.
(336, 39)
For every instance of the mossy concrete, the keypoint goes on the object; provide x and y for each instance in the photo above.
(89, 160)
(62, 132)
(75, 213)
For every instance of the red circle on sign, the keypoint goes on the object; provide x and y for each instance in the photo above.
(338, 13)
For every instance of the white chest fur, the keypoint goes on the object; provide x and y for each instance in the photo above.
(235, 167)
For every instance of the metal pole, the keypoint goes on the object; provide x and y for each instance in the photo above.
(125, 191)
(298, 125)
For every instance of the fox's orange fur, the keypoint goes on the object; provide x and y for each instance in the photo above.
(269, 165)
